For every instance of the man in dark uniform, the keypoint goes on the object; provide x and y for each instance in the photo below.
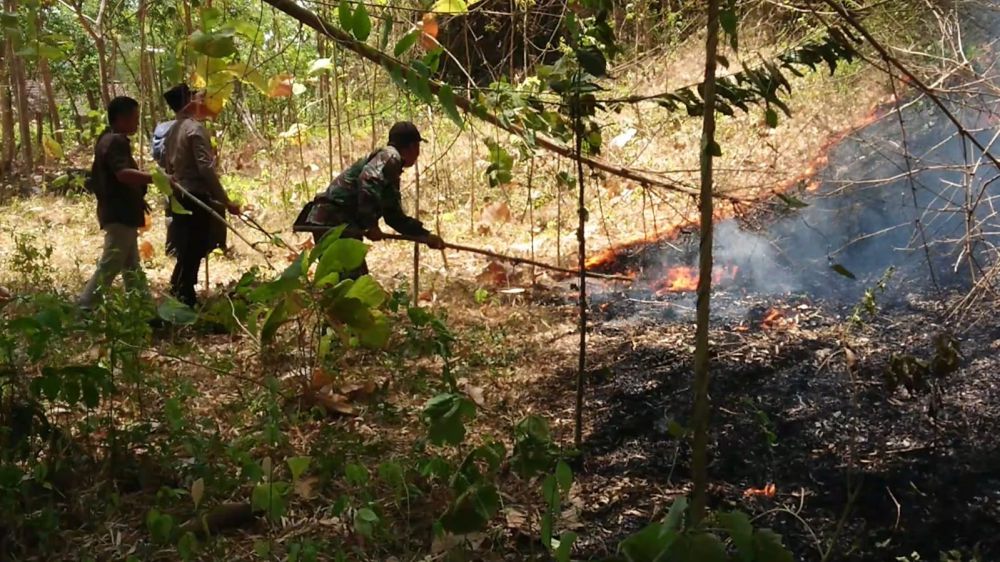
(120, 188)
(190, 159)
(369, 190)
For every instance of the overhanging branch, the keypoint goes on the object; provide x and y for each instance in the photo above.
(312, 20)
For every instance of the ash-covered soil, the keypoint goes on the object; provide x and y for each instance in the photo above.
(916, 472)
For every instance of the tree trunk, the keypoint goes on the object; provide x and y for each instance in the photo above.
(16, 67)
(702, 409)
(50, 95)
(6, 109)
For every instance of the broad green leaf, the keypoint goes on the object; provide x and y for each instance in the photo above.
(356, 474)
(740, 530)
(367, 290)
(675, 516)
(91, 394)
(330, 237)
(392, 473)
(269, 497)
(275, 318)
(243, 72)
(648, 545)
(406, 43)
(704, 547)
(364, 521)
(162, 184)
(450, 7)
(447, 98)
(376, 335)
(217, 44)
(249, 29)
(383, 40)
(298, 466)
(289, 280)
(71, 391)
(728, 21)
(715, 150)
(320, 65)
(768, 547)
(342, 255)
(346, 16)
(210, 18)
(565, 547)
(545, 527)
(472, 509)
(362, 23)
(564, 476)
(843, 271)
(445, 415)
(176, 312)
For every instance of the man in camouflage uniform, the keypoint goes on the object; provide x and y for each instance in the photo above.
(368, 191)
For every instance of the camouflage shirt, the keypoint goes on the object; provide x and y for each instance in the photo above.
(363, 193)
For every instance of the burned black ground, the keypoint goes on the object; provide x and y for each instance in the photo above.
(788, 411)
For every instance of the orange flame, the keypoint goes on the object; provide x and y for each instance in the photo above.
(683, 279)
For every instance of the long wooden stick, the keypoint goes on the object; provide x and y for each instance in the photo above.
(391, 63)
(482, 252)
(219, 218)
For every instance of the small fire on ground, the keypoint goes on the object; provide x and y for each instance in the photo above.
(684, 279)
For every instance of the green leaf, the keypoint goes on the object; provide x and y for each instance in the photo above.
(298, 466)
(356, 475)
(392, 474)
(447, 98)
(771, 118)
(269, 497)
(376, 335)
(450, 7)
(367, 290)
(365, 520)
(472, 510)
(672, 522)
(768, 547)
(210, 18)
(176, 312)
(362, 26)
(320, 65)
(406, 43)
(564, 476)
(728, 21)
(740, 530)
(91, 394)
(705, 547)
(383, 40)
(445, 415)
(565, 547)
(546, 529)
(648, 545)
(217, 44)
(346, 15)
(843, 271)
(275, 318)
(715, 150)
(592, 60)
(343, 255)
(162, 184)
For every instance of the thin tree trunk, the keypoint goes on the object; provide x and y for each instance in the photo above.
(50, 96)
(581, 240)
(702, 408)
(6, 108)
(16, 67)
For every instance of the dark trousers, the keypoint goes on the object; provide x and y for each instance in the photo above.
(185, 276)
(189, 239)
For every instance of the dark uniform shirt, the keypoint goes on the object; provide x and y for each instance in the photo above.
(116, 202)
(365, 192)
